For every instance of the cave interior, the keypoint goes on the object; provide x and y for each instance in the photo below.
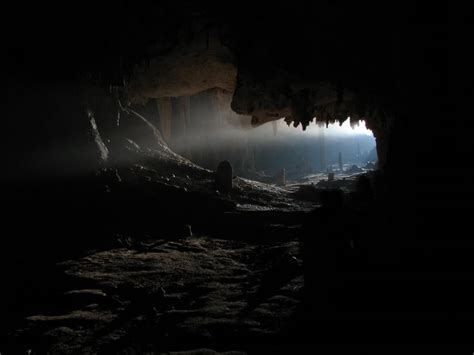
(171, 184)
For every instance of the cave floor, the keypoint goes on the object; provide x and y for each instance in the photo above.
(166, 295)
(138, 285)
(235, 284)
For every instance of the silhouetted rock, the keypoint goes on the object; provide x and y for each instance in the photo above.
(308, 193)
(224, 176)
(332, 198)
(369, 165)
(187, 231)
(354, 169)
(280, 177)
(364, 189)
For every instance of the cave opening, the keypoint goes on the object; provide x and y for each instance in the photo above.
(262, 153)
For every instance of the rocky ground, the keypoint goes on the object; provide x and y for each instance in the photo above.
(175, 265)
(164, 295)
(217, 273)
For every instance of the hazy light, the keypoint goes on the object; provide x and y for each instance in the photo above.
(333, 129)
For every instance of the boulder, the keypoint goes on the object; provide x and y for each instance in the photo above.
(224, 176)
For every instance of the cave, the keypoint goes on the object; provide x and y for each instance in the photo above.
(188, 177)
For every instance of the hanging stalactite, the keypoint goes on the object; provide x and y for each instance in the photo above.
(165, 113)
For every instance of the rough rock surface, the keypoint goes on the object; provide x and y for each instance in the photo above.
(183, 72)
(146, 298)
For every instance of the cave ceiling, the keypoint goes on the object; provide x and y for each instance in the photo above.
(287, 59)
(327, 66)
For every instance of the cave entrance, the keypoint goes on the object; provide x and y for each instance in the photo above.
(310, 155)
(204, 129)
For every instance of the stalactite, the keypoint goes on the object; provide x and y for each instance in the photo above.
(275, 127)
(180, 109)
(181, 114)
(217, 115)
(217, 106)
(354, 121)
(187, 111)
(165, 113)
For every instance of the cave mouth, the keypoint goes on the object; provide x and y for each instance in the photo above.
(206, 130)
(262, 153)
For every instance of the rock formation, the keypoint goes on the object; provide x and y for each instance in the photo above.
(224, 177)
